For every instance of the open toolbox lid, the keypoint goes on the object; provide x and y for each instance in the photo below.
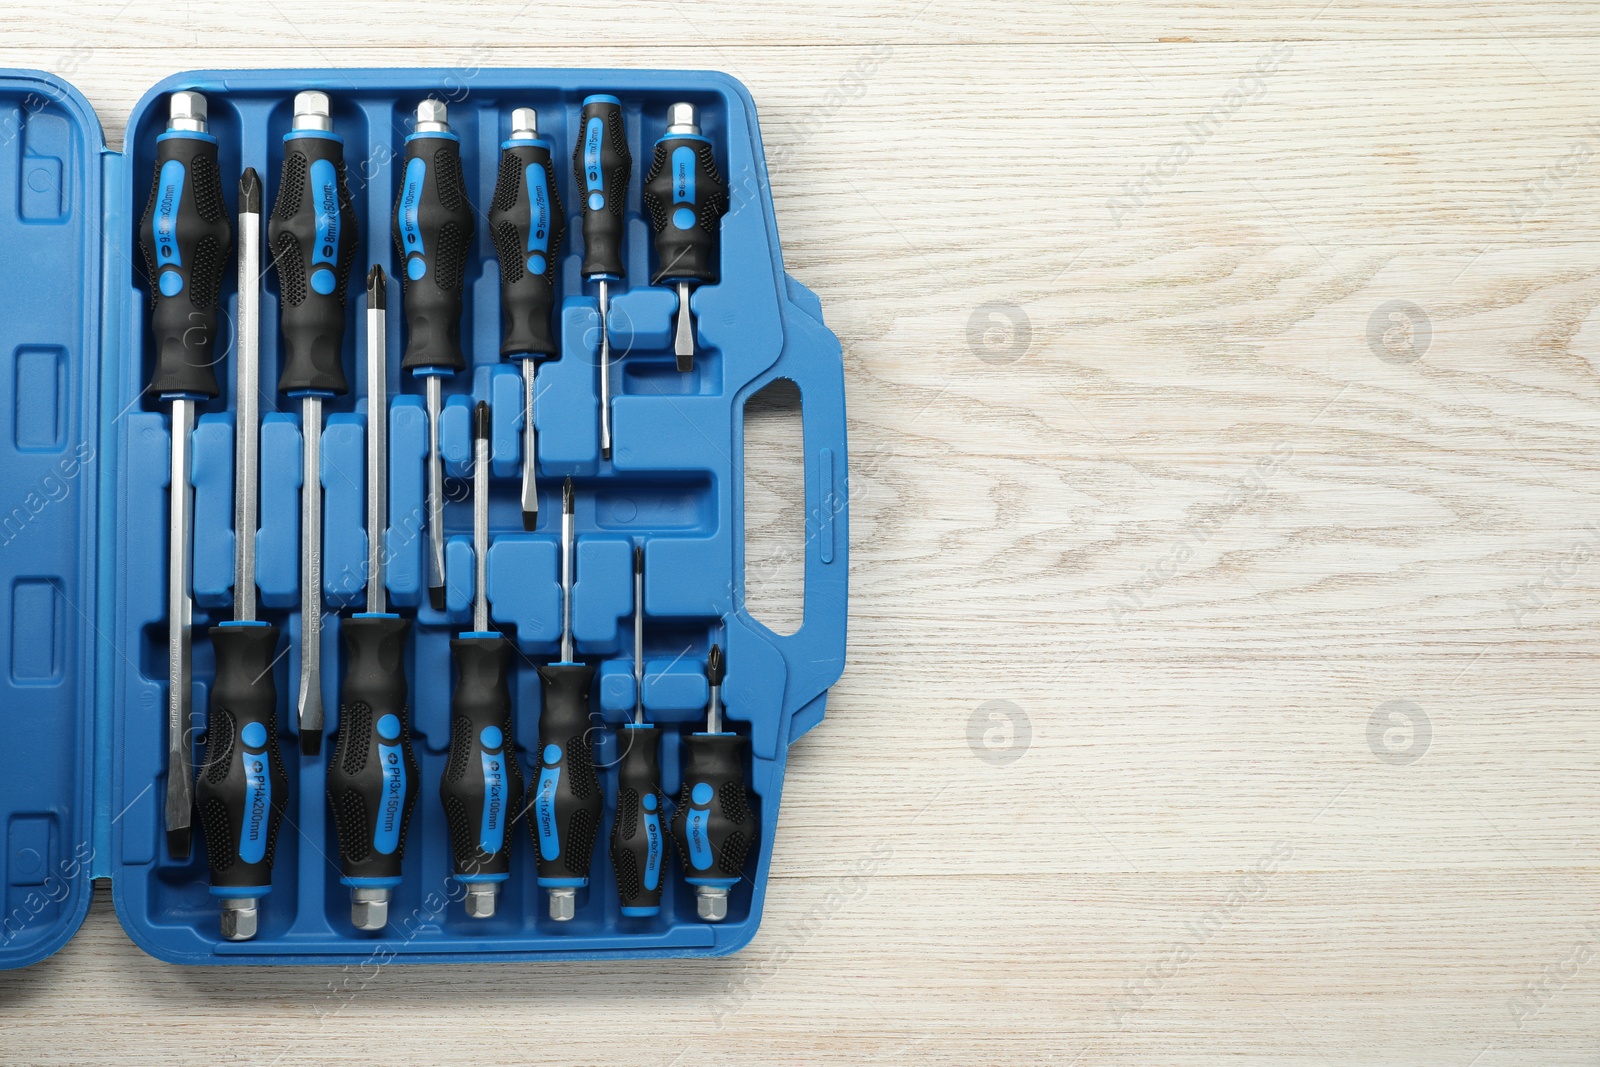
(57, 324)
(74, 690)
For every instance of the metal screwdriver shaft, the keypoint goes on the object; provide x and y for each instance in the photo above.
(527, 222)
(373, 779)
(313, 240)
(185, 238)
(685, 197)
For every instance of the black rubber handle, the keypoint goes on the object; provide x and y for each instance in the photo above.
(186, 240)
(312, 235)
(432, 235)
(686, 198)
(482, 778)
(242, 789)
(639, 832)
(528, 223)
(564, 803)
(373, 779)
(712, 824)
(602, 166)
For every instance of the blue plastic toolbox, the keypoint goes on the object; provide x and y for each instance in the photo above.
(84, 460)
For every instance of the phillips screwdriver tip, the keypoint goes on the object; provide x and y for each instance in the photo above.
(638, 559)
(250, 192)
(377, 288)
(714, 665)
(567, 498)
(480, 422)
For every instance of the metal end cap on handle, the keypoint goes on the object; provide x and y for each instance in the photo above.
(369, 908)
(681, 118)
(433, 116)
(524, 123)
(481, 899)
(186, 111)
(239, 919)
(711, 903)
(563, 904)
(312, 111)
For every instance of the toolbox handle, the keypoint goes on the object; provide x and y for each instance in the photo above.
(814, 654)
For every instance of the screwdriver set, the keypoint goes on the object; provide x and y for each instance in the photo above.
(375, 576)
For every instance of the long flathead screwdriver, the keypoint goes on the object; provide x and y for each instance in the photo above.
(482, 778)
(712, 823)
(186, 239)
(686, 198)
(312, 237)
(602, 167)
(527, 222)
(564, 807)
(433, 228)
(242, 789)
(372, 781)
(638, 833)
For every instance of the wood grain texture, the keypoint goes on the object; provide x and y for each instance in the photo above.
(1224, 388)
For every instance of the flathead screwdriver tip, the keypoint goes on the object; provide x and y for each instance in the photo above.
(178, 842)
(250, 192)
(377, 289)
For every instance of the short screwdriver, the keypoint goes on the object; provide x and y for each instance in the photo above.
(602, 167)
(564, 807)
(372, 782)
(638, 837)
(712, 823)
(686, 198)
(482, 778)
(313, 239)
(185, 238)
(432, 235)
(528, 223)
(243, 789)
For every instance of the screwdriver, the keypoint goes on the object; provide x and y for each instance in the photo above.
(482, 777)
(372, 780)
(566, 799)
(602, 166)
(638, 841)
(686, 197)
(313, 239)
(432, 233)
(185, 238)
(528, 223)
(713, 824)
(242, 789)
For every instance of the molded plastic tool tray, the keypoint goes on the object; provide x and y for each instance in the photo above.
(83, 530)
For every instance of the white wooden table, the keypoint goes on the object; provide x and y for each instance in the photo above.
(1226, 558)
